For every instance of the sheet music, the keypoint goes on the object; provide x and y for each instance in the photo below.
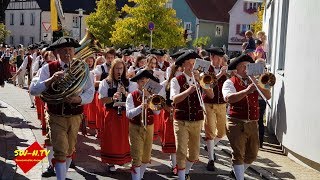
(201, 65)
(153, 87)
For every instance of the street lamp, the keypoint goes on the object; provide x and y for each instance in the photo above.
(80, 11)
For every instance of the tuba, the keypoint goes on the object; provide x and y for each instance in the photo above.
(76, 76)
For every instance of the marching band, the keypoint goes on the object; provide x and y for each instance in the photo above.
(112, 101)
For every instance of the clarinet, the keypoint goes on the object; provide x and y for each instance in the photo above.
(119, 112)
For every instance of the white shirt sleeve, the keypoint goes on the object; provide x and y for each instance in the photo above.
(132, 86)
(39, 86)
(228, 88)
(24, 63)
(103, 89)
(174, 88)
(132, 111)
(168, 72)
(97, 71)
(35, 65)
(163, 90)
(87, 93)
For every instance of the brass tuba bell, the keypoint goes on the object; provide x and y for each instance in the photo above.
(89, 45)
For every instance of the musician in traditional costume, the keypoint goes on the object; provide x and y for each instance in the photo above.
(139, 64)
(166, 119)
(64, 118)
(5, 58)
(243, 115)
(115, 148)
(215, 119)
(140, 136)
(188, 113)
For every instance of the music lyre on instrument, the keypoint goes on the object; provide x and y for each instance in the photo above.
(206, 80)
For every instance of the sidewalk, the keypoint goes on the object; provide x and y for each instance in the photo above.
(19, 128)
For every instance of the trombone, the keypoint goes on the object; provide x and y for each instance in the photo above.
(155, 102)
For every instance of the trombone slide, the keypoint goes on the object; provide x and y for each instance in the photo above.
(259, 91)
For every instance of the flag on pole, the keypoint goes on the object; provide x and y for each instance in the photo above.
(54, 16)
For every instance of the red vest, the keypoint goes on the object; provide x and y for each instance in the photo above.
(248, 107)
(137, 100)
(62, 108)
(165, 65)
(189, 109)
(217, 90)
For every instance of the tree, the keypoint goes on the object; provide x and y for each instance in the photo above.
(257, 26)
(133, 29)
(3, 32)
(100, 23)
(201, 41)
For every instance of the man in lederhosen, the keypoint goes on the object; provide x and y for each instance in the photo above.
(188, 114)
(64, 118)
(243, 115)
(215, 121)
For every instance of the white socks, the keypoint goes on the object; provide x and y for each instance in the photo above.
(239, 171)
(188, 166)
(60, 170)
(210, 146)
(143, 168)
(68, 162)
(136, 175)
(182, 174)
(173, 158)
(50, 155)
(216, 140)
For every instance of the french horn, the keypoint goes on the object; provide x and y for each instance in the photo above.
(76, 76)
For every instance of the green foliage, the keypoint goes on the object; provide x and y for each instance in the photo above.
(3, 32)
(100, 23)
(257, 26)
(133, 29)
(201, 41)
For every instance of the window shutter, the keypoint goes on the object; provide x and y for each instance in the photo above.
(238, 29)
(245, 6)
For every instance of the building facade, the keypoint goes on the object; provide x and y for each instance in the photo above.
(292, 28)
(206, 18)
(29, 20)
(242, 16)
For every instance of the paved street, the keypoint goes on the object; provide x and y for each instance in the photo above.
(19, 128)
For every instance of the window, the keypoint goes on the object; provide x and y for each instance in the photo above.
(22, 19)
(169, 4)
(11, 19)
(75, 22)
(22, 40)
(187, 25)
(219, 30)
(31, 40)
(32, 19)
(253, 5)
(11, 40)
(242, 28)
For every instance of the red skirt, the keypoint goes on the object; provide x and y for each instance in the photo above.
(115, 148)
(167, 133)
(157, 124)
(100, 112)
(40, 105)
(92, 111)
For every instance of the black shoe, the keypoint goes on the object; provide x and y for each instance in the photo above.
(72, 165)
(206, 148)
(49, 172)
(232, 174)
(210, 166)
(187, 177)
(32, 106)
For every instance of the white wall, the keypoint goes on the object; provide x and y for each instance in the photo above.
(25, 30)
(238, 16)
(293, 37)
